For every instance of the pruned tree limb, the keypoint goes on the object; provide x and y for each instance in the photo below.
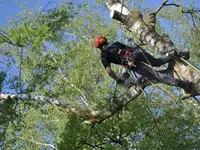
(116, 106)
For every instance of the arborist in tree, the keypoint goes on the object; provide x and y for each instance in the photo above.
(145, 30)
(136, 59)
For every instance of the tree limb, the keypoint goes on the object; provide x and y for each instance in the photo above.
(46, 100)
(163, 4)
(91, 115)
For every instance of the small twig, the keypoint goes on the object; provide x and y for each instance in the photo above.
(72, 85)
(43, 10)
(193, 22)
(192, 13)
(4, 37)
(92, 145)
(3, 32)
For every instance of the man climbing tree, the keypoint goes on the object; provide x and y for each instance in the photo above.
(147, 34)
(144, 30)
(136, 59)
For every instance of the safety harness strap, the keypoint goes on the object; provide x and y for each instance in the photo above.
(125, 55)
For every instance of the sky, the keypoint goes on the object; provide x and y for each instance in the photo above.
(10, 8)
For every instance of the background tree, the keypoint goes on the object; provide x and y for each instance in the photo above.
(54, 51)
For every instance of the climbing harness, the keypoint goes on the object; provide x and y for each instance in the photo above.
(125, 55)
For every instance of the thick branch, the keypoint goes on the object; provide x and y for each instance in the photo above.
(93, 116)
(47, 100)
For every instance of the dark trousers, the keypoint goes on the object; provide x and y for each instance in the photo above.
(142, 58)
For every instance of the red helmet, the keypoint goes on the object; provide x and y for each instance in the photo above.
(100, 41)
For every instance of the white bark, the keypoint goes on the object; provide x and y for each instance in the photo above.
(117, 7)
(47, 100)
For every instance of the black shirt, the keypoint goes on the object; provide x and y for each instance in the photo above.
(109, 54)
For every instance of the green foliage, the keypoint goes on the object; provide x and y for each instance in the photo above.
(10, 123)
